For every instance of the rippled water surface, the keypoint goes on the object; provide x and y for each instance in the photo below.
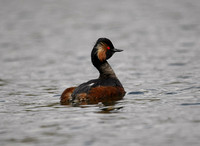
(45, 47)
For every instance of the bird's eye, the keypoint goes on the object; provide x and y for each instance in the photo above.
(108, 48)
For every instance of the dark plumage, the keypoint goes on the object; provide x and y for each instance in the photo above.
(106, 88)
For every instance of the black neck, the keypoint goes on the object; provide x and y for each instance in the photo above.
(104, 68)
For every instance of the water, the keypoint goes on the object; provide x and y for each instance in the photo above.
(45, 47)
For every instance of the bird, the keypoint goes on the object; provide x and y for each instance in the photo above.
(106, 88)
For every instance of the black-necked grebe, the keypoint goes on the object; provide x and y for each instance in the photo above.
(104, 89)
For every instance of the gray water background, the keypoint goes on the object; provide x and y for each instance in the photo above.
(45, 47)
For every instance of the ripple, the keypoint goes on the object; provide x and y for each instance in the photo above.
(24, 140)
(109, 109)
(171, 93)
(187, 104)
(3, 82)
(174, 82)
(57, 95)
(31, 94)
(183, 77)
(189, 88)
(177, 64)
(15, 93)
(50, 125)
(147, 99)
(136, 92)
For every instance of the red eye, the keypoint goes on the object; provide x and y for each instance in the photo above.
(108, 48)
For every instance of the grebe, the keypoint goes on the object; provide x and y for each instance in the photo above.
(106, 88)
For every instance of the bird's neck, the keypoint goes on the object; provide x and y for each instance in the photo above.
(105, 70)
(103, 67)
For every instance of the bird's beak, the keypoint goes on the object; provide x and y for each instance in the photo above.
(117, 50)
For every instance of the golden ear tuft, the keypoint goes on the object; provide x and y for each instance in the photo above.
(101, 52)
